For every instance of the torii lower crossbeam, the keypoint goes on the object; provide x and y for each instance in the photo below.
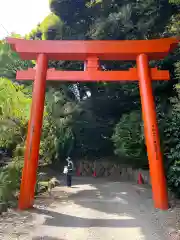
(91, 52)
(93, 75)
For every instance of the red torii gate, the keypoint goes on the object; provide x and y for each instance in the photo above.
(91, 52)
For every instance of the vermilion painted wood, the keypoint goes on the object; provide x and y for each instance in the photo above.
(92, 76)
(104, 50)
(26, 198)
(152, 135)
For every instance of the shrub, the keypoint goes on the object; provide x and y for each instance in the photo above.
(10, 177)
(174, 179)
(128, 139)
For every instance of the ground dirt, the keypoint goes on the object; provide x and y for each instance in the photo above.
(93, 209)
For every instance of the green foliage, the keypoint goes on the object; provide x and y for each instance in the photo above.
(51, 28)
(173, 26)
(113, 19)
(171, 143)
(176, 2)
(15, 171)
(174, 178)
(92, 3)
(13, 100)
(57, 136)
(14, 113)
(5, 193)
(128, 139)
(10, 62)
(10, 177)
(177, 70)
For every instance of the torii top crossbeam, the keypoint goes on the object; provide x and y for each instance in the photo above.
(104, 50)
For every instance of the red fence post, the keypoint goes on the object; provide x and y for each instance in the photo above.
(158, 180)
(28, 182)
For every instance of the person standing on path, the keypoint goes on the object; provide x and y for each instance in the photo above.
(69, 173)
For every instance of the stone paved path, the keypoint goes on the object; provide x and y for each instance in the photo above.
(90, 210)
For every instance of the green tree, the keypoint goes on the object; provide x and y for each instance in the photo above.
(58, 138)
(14, 113)
(128, 139)
(50, 28)
(171, 135)
(10, 61)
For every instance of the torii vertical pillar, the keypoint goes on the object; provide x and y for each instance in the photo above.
(28, 182)
(158, 180)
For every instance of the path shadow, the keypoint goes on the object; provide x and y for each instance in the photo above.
(95, 199)
(64, 220)
(46, 238)
(100, 192)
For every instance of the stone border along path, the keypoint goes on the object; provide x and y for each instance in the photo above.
(75, 214)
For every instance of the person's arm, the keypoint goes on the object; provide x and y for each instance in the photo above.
(72, 166)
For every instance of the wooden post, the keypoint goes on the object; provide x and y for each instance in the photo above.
(28, 182)
(158, 180)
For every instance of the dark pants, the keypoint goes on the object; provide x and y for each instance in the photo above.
(68, 180)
